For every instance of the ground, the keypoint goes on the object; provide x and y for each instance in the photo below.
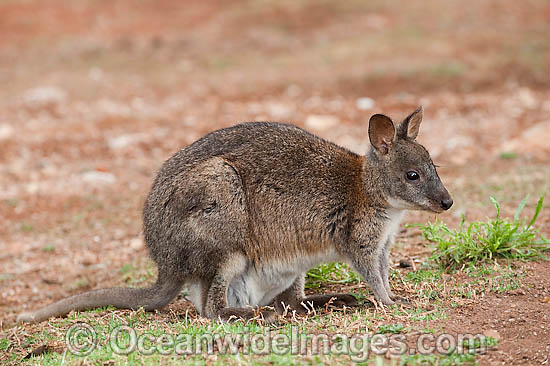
(95, 95)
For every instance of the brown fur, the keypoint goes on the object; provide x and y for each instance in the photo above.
(242, 213)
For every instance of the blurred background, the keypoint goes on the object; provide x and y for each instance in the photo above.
(96, 94)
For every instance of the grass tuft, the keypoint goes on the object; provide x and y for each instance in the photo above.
(480, 241)
(330, 273)
(457, 357)
(390, 328)
(454, 359)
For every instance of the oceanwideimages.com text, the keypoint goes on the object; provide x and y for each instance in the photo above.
(82, 339)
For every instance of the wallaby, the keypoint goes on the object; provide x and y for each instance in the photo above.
(240, 215)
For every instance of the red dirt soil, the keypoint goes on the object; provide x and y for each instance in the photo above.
(96, 95)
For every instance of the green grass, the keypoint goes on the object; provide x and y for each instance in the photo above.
(472, 248)
(432, 285)
(502, 280)
(508, 155)
(4, 344)
(484, 241)
(454, 359)
(5, 276)
(330, 273)
(27, 227)
(48, 248)
(136, 274)
(463, 356)
(80, 283)
(424, 274)
(144, 323)
(475, 344)
(11, 202)
(391, 328)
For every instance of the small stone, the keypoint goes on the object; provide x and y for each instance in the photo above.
(98, 178)
(492, 333)
(44, 96)
(533, 141)
(321, 122)
(136, 243)
(189, 121)
(293, 91)
(278, 110)
(6, 131)
(112, 108)
(364, 103)
(335, 105)
(95, 73)
(50, 281)
(405, 263)
(527, 98)
(123, 141)
(88, 258)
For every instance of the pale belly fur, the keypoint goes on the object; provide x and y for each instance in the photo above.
(258, 286)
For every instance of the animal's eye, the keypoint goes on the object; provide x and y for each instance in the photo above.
(412, 175)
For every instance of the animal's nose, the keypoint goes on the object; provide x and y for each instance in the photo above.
(446, 203)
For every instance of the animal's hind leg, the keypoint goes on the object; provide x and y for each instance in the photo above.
(215, 292)
(293, 298)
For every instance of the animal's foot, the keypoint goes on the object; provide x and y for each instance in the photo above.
(400, 299)
(236, 314)
(334, 300)
(387, 301)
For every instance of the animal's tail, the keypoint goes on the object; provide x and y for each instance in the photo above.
(150, 298)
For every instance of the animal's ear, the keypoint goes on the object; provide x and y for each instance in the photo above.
(381, 133)
(411, 125)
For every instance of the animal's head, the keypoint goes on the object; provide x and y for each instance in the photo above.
(408, 176)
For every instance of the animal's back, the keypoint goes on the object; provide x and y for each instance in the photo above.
(267, 182)
(260, 146)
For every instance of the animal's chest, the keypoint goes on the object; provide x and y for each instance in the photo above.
(259, 285)
(391, 226)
